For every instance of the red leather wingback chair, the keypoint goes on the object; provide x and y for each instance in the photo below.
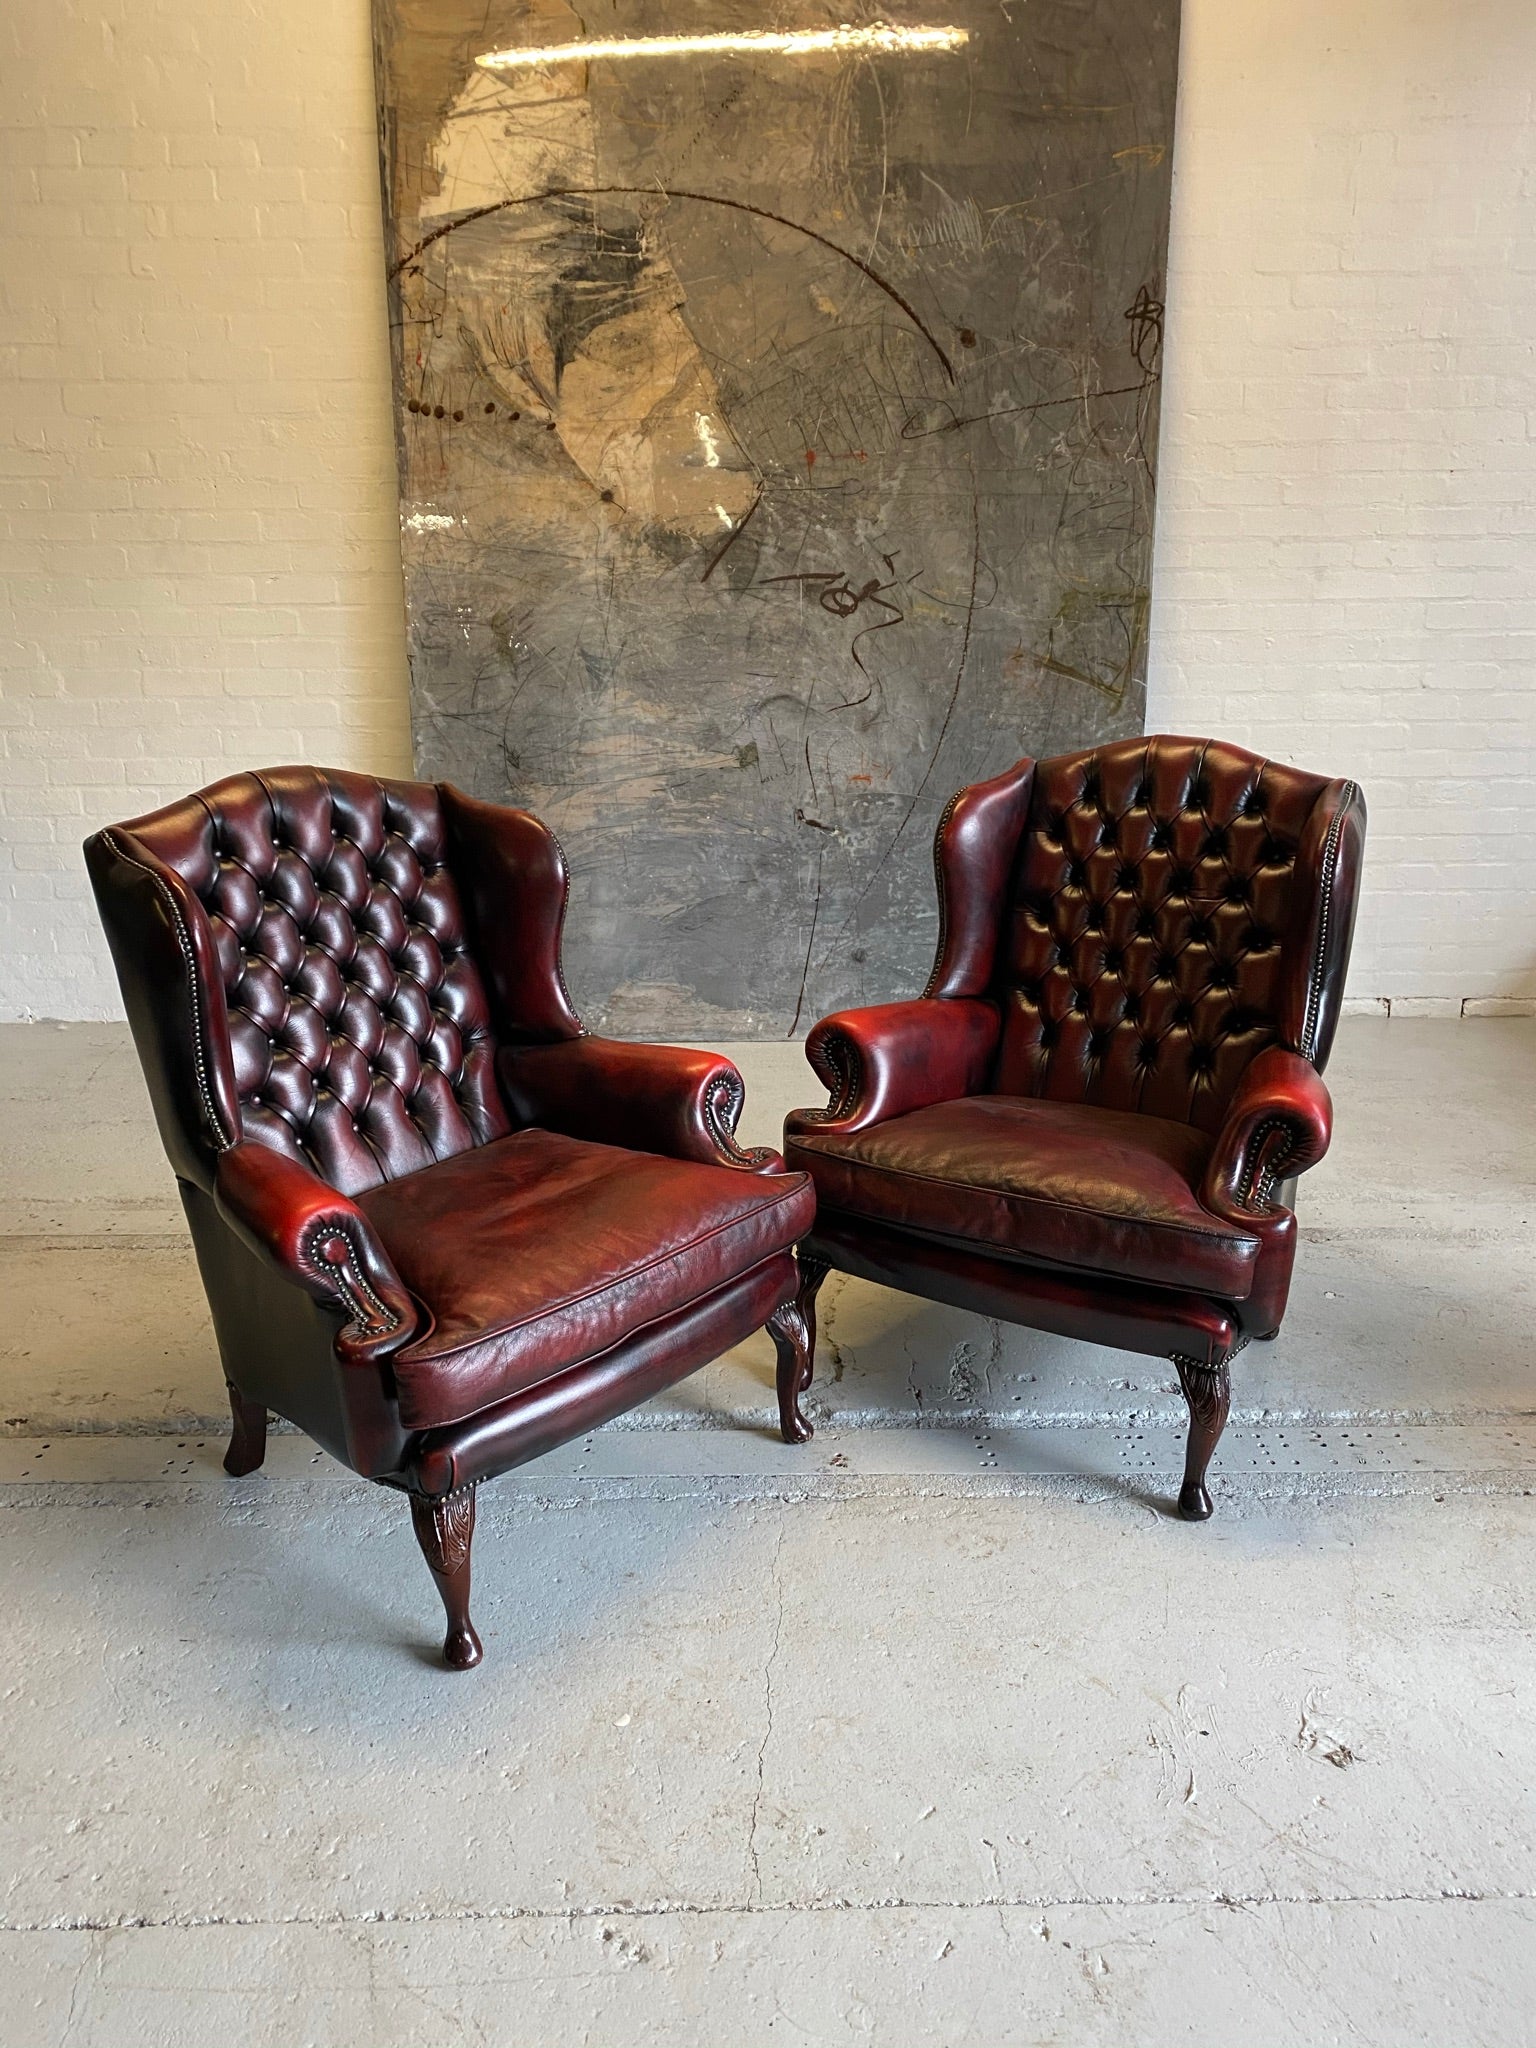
(440, 1229)
(1092, 1120)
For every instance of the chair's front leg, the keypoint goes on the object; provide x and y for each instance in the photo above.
(793, 1329)
(1208, 1390)
(792, 1341)
(445, 1529)
(248, 1438)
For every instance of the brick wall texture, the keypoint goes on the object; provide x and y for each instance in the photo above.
(1346, 566)
(198, 511)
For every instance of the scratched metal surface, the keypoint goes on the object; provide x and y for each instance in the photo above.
(777, 447)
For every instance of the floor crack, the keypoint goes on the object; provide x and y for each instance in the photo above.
(661, 1909)
(777, 1584)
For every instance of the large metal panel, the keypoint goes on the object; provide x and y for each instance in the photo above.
(777, 432)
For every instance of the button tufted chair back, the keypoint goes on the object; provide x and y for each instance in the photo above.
(325, 997)
(1175, 907)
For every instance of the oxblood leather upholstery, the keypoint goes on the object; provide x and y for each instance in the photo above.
(541, 1250)
(420, 1195)
(1094, 1111)
(1057, 1182)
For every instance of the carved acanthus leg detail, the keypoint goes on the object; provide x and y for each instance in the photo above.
(793, 1330)
(445, 1529)
(1208, 1390)
(248, 1438)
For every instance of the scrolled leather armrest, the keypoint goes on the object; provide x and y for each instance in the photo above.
(1278, 1124)
(320, 1241)
(650, 1098)
(895, 1057)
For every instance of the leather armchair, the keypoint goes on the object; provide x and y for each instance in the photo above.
(440, 1227)
(1093, 1119)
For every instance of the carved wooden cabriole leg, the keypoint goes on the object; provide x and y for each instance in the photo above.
(793, 1330)
(812, 1272)
(248, 1439)
(445, 1529)
(787, 1328)
(1208, 1390)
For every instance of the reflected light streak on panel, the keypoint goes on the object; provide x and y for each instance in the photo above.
(879, 37)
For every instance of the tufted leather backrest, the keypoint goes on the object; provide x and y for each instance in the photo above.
(335, 1012)
(1176, 906)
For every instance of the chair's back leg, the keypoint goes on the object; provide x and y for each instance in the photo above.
(248, 1438)
(445, 1530)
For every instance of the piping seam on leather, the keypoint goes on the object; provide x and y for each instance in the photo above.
(943, 893)
(570, 1301)
(565, 899)
(1330, 860)
(837, 1050)
(347, 1278)
(724, 1096)
(1077, 1208)
(1257, 1183)
(184, 943)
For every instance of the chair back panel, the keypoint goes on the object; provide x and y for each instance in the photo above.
(1162, 925)
(358, 1031)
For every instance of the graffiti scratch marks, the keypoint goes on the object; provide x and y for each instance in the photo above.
(703, 199)
(731, 539)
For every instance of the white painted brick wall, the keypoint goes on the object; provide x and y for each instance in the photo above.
(197, 501)
(1346, 560)
(199, 552)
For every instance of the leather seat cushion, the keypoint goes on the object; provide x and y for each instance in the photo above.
(1065, 1183)
(537, 1251)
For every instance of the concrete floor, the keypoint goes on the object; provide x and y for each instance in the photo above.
(938, 1731)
